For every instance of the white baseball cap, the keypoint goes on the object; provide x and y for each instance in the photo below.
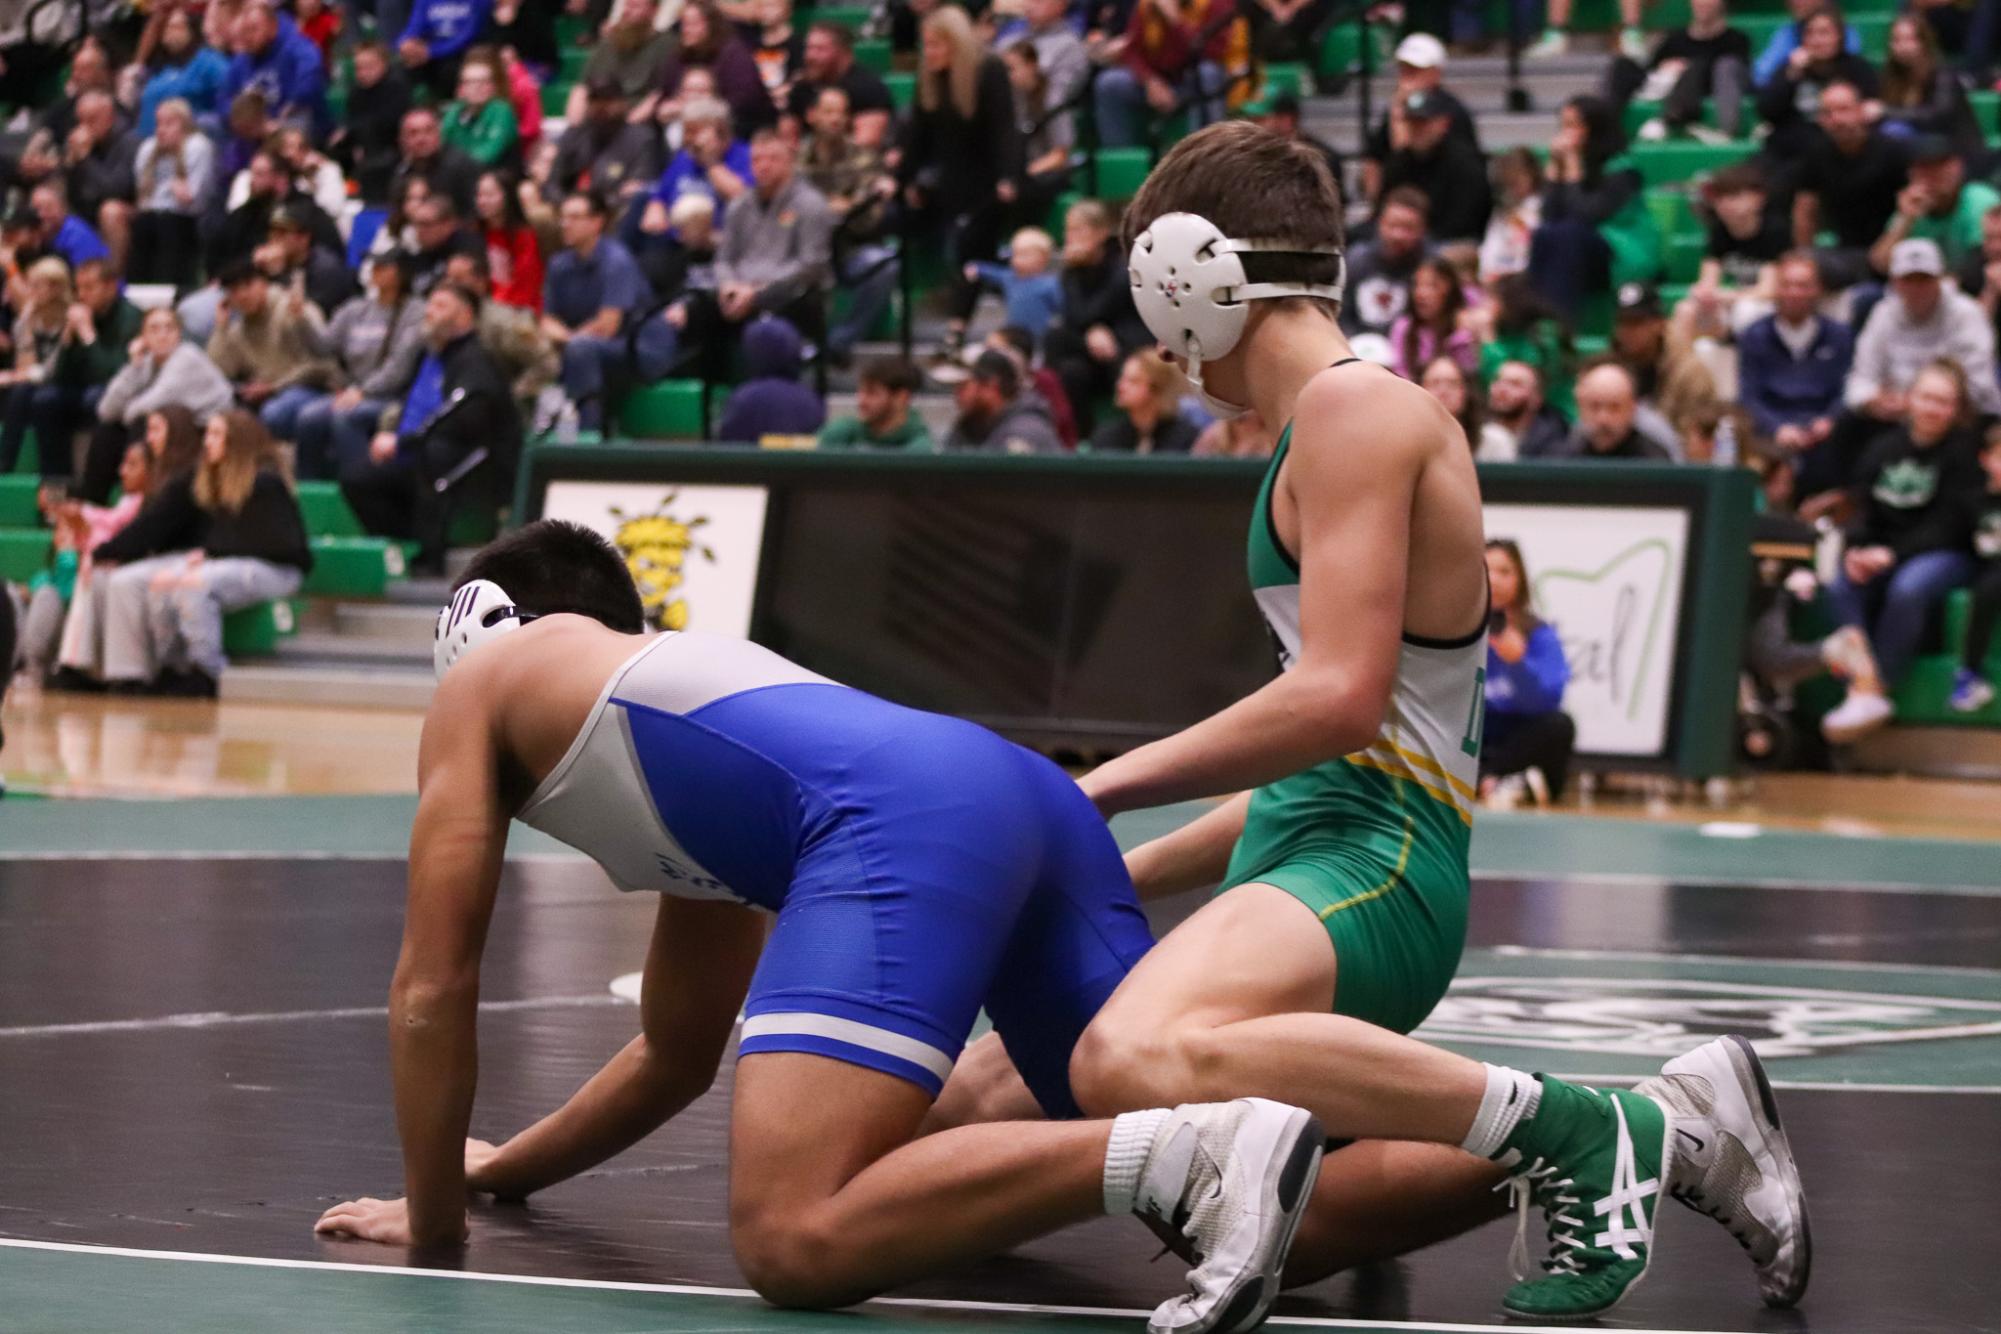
(1916, 256)
(1421, 50)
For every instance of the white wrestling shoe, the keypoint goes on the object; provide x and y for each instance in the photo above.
(1230, 1181)
(1732, 1160)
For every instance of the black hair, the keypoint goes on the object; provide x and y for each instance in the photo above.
(895, 374)
(550, 567)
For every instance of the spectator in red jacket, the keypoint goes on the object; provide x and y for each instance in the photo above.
(513, 251)
(1175, 49)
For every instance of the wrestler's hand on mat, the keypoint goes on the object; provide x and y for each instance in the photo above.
(385, 1221)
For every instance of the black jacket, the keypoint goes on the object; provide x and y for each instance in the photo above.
(269, 527)
(1915, 500)
(366, 142)
(478, 411)
(248, 225)
(958, 161)
(1102, 293)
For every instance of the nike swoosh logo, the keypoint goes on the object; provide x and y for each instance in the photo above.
(1699, 1142)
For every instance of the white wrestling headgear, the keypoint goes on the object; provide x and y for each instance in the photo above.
(1188, 282)
(478, 613)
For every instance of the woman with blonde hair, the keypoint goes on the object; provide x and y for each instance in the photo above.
(961, 171)
(241, 539)
(1147, 417)
(38, 333)
(175, 174)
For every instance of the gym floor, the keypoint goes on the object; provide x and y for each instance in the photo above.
(193, 1066)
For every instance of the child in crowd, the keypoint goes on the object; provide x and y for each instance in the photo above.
(79, 529)
(1735, 285)
(1034, 294)
(1971, 688)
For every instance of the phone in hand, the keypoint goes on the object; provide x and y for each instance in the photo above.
(1497, 622)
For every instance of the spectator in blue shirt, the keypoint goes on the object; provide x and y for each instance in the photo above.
(1034, 294)
(436, 38)
(593, 288)
(711, 163)
(1793, 364)
(185, 69)
(1526, 739)
(1786, 39)
(279, 61)
(770, 401)
(63, 232)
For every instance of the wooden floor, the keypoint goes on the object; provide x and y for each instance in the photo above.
(82, 745)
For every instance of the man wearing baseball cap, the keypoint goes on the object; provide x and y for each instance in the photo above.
(1938, 205)
(1449, 170)
(1420, 69)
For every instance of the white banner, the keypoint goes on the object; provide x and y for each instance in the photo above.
(1609, 579)
(693, 550)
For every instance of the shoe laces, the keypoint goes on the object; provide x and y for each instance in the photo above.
(1539, 1183)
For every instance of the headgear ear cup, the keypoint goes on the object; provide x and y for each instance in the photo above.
(478, 613)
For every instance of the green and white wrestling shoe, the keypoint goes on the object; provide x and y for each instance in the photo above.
(1732, 1160)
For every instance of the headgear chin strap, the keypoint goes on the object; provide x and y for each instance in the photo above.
(478, 613)
(1188, 282)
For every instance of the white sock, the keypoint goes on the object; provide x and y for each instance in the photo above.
(1125, 1157)
(1511, 1098)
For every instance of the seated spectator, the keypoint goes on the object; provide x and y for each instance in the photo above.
(1785, 39)
(1061, 60)
(858, 188)
(1450, 173)
(1979, 274)
(996, 417)
(1972, 691)
(445, 168)
(1380, 271)
(97, 335)
(1019, 343)
(1792, 364)
(523, 92)
(271, 348)
(247, 129)
(513, 249)
(1515, 407)
(963, 160)
(594, 287)
(79, 528)
(776, 45)
(1671, 380)
(1147, 411)
(1922, 96)
(98, 162)
(1939, 205)
(276, 59)
(1909, 545)
(710, 163)
(1517, 324)
(182, 68)
(1526, 739)
(175, 178)
(458, 405)
(1919, 321)
(1734, 284)
(235, 538)
(1517, 213)
(1245, 437)
(1719, 435)
(309, 174)
(38, 333)
(292, 257)
(1708, 58)
(774, 255)
(89, 72)
(481, 122)
(829, 62)
(883, 419)
(1447, 381)
(770, 400)
(1596, 231)
(1431, 326)
(270, 187)
(1046, 149)
(709, 41)
(1420, 62)
(161, 371)
(377, 339)
(437, 233)
(1608, 405)
(1786, 100)
(1849, 181)
(630, 55)
(366, 142)
(1033, 293)
(65, 234)
(1173, 53)
(511, 335)
(1099, 325)
(433, 43)
(604, 151)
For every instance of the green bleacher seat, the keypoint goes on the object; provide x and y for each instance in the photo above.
(669, 409)
(556, 96)
(1682, 257)
(473, 526)
(1287, 77)
(326, 512)
(30, 459)
(571, 29)
(1987, 110)
(902, 87)
(17, 500)
(23, 552)
(1121, 171)
(570, 64)
(873, 53)
(353, 567)
(1675, 162)
(848, 16)
(1341, 51)
(1673, 210)
(255, 630)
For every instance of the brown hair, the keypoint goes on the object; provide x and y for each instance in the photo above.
(247, 449)
(183, 447)
(1415, 326)
(1524, 597)
(1252, 183)
(1163, 381)
(1910, 85)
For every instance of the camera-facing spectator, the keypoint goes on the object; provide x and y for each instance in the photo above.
(38, 333)
(1527, 740)
(1939, 205)
(1922, 95)
(1511, 228)
(183, 67)
(1420, 62)
(778, 47)
(996, 416)
(61, 232)
(1909, 546)
(1047, 144)
(97, 162)
(97, 335)
(619, 158)
(1147, 411)
(277, 60)
(437, 232)
(433, 44)
(829, 62)
(1062, 59)
(1380, 271)
(1672, 381)
(1595, 225)
(511, 335)
(710, 41)
(480, 122)
(293, 255)
(1972, 690)
(1608, 430)
(1448, 171)
(1447, 381)
(1850, 179)
(1706, 59)
(271, 346)
(377, 340)
(445, 168)
(1516, 406)
(1787, 99)
(367, 142)
(1034, 293)
(162, 370)
(630, 55)
(594, 287)
(1785, 39)
(1746, 239)
(711, 162)
(175, 182)
(1793, 364)
(883, 419)
(513, 248)
(1431, 327)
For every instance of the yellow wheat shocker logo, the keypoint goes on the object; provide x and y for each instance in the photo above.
(657, 548)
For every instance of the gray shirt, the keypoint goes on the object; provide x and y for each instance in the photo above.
(187, 377)
(1894, 347)
(378, 349)
(779, 247)
(156, 173)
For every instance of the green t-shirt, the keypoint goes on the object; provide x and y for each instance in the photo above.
(1958, 232)
(486, 136)
(849, 433)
